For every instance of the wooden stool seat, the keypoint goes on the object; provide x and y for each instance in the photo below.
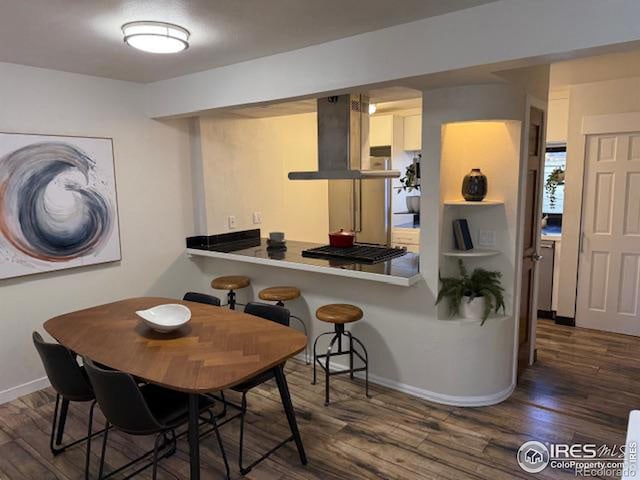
(279, 294)
(231, 282)
(339, 313)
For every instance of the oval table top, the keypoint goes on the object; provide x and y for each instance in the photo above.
(217, 349)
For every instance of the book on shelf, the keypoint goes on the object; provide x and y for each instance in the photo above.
(462, 235)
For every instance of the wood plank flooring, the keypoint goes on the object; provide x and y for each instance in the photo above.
(581, 389)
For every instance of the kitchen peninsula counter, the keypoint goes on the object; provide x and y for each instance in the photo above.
(402, 271)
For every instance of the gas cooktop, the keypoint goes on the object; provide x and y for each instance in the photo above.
(360, 252)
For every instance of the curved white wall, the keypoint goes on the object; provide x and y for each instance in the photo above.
(410, 347)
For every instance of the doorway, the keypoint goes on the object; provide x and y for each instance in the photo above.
(531, 239)
(609, 261)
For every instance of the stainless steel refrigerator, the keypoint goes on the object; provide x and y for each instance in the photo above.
(364, 206)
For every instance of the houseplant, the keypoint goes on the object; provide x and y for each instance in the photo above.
(475, 295)
(408, 184)
(555, 178)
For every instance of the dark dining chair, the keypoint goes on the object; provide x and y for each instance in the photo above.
(144, 410)
(70, 382)
(202, 298)
(279, 315)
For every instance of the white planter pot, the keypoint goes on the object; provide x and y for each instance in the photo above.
(413, 203)
(474, 309)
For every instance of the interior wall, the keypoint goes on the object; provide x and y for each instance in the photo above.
(599, 98)
(409, 347)
(558, 116)
(154, 203)
(246, 162)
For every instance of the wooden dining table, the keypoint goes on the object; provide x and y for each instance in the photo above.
(218, 349)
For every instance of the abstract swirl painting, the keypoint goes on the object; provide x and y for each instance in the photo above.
(57, 203)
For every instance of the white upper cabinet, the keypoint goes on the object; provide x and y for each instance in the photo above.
(380, 130)
(412, 133)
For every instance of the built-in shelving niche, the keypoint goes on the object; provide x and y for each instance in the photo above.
(494, 147)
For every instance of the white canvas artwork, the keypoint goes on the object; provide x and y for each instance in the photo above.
(58, 204)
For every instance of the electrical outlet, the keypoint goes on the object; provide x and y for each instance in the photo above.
(232, 221)
(257, 218)
(487, 238)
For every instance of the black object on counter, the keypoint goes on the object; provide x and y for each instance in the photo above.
(226, 242)
(474, 186)
(363, 253)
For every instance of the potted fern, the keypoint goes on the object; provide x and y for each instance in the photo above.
(475, 295)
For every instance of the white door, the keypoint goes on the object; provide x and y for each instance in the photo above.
(609, 272)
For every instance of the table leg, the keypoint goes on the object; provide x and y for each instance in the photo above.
(285, 396)
(194, 439)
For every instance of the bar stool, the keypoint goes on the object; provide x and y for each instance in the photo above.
(281, 295)
(231, 283)
(340, 314)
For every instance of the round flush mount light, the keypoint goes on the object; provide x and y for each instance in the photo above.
(156, 37)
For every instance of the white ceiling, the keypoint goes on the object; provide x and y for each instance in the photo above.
(84, 36)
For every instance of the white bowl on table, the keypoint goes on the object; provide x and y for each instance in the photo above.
(166, 318)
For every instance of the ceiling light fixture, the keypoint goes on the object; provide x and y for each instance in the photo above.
(156, 37)
(372, 108)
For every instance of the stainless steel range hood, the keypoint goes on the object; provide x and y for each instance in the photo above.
(343, 141)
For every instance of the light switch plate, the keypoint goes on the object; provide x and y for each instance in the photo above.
(232, 221)
(487, 238)
(257, 218)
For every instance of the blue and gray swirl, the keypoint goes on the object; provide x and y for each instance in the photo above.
(48, 208)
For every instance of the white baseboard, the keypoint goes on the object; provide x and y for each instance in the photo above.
(12, 393)
(453, 400)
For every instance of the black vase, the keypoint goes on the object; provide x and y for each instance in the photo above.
(474, 186)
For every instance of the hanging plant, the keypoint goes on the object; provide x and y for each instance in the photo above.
(555, 178)
(409, 181)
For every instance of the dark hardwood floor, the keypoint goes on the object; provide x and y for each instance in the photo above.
(581, 389)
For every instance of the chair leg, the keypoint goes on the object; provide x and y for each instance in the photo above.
(243, 413)
(54, 425)
(104, 450)
(89, 435)
(156, 447)
(221, 445)
(64, 411)
(224, 404)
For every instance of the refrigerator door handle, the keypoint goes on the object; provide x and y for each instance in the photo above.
(357, 206)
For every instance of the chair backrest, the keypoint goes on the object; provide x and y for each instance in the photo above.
(121, 400)
(267, 311)
(65, 374)
(201, 298)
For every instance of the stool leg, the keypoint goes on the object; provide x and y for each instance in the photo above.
(366, 365)
(315, 361)
(231, 299)
(327, 374)
(350, 355)
(304, 329)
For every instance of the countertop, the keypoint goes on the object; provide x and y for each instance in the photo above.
(402, 271)
(552, 233)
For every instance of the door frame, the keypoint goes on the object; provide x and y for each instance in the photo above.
(597, 125)
(531, 102)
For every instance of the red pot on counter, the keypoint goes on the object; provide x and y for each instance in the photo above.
(342, 239)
